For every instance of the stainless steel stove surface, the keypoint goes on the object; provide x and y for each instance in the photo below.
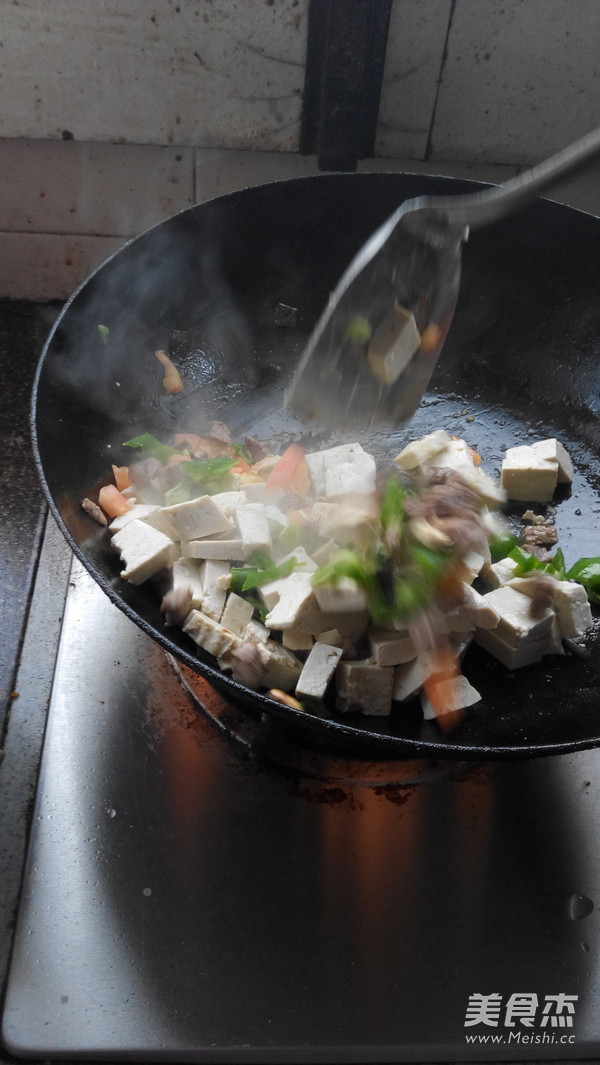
(194, 897)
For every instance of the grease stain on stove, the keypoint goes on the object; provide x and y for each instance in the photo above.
(579, 906)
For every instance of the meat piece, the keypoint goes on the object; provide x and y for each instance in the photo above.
(452, 509)
(176, 605)
(246, 665)
(255, 449)
(219, 431)
(94, 511)
(538, 538)
(142, 473)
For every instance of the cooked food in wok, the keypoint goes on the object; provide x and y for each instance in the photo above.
(322, 579)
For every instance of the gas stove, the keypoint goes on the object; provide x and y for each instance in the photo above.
(200, 888)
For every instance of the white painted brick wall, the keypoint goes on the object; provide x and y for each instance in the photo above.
(173, 101)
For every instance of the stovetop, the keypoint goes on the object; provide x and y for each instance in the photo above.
(192, 897)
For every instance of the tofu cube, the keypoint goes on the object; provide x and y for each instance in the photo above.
(296, 607)
(516, 622)
(281, 668)
(220, 550)
(456, 693)
(512, 655)
(391, 648)
(144, 551)
(256, 632)
(393, 345)
(199, 517)
(499, 573)
(210, 635)
(214, 582)
(349, 472)
(572, 609)
(318, 670)
(528, 474)
(337, 471)
(295, 640)
(188, 574)
(553, 451)
(458, 456)
(422, 451)
(409, 677)
(519, 639)
(481, 612)
(343, 597)
(355, 520)
(253, 526)
(237, 614)
(139, 511)
(365, 687)
(569, 600)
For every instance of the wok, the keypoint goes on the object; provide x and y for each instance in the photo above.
(522, 358)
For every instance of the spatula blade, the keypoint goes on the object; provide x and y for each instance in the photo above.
(373, 351)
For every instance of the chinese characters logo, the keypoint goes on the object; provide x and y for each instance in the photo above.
(519, 1014)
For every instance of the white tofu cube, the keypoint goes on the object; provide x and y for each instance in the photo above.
(572, 609)
(343, 597)
(281, 668)
(318, 670)
(474, 563)
(355, 520)
(529, 475)
(253, 526)
(210, 635)
(409, 677)
(569, 600)
(337, 471)
(332, 637)
(499, 573)
(143, 550)
(349, 472)
(458, 456)
(214, 581)
(365, 687)
(228, 501)
(188, 574)
(391, 648)
(295, 640)
(553, 451)
(138, 510)
(199, 517)
(270, 592)
(516, 624)
(274, 514)
(296, 606)
(256, 632)
(512, 655)
(481, 612)
(221, 550)
(422, 451)
(351, 625)
(393, 345)
(454, 694)
(237, 614)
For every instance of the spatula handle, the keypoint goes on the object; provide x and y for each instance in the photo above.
(490, 205)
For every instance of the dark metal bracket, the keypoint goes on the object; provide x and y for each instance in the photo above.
(347, 42)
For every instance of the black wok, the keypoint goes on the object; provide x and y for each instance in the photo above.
(522, 358)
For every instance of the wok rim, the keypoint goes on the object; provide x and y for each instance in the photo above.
(376, 744)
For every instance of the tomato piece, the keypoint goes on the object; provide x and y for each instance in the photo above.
(112, 501)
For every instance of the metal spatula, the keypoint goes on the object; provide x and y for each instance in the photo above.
(372, 353)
